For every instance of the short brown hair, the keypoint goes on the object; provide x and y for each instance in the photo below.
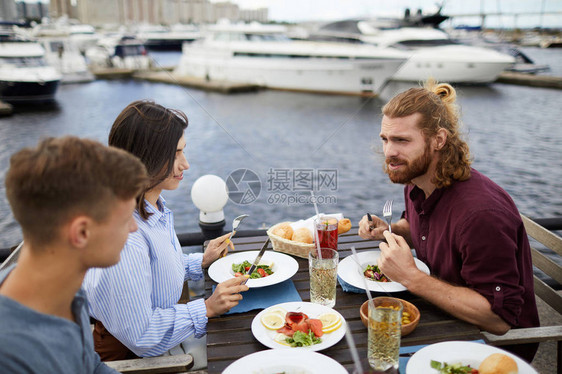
(64, 177)
(437, 105)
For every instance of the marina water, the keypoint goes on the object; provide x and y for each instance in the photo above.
(284, 141)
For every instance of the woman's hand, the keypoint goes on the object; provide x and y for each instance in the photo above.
(226, 296)
(216, 248)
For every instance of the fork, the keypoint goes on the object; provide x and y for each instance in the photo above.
(387, 213)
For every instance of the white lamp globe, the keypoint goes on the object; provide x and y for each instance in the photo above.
(210, 194)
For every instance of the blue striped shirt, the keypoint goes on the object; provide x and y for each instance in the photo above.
(136, 299)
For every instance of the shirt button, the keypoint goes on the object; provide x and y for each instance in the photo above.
(498, 288)
(423, 237)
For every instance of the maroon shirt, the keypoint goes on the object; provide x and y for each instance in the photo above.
(471, 235)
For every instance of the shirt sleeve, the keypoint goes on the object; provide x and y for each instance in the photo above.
(192, 263)
(120, 297)
(489, 261)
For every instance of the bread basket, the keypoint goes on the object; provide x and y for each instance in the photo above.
(288, 246)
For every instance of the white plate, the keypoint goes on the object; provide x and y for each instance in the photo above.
(466, 353)
(353, 274)
(274, 361)
(266, 336)
(284, 267)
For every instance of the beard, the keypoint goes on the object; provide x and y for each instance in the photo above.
(410, 170)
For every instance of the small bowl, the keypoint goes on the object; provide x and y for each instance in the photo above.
(406, 307)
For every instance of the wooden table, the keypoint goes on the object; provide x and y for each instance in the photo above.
(230, 338)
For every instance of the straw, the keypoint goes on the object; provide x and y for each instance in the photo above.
(316, 239)
(354, 354)
(364, 280)
(314, 202)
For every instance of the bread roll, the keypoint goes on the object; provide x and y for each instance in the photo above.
(284, 230)
(302, 235)
(344, 225)
(498, 363)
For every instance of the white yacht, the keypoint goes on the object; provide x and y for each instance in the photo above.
(64, 55)
(159, 37)
(24, 73)
(61, 50)
(84, 36)
(432, 52)
(119, 51)
(265, 56)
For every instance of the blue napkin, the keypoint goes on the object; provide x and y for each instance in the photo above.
(348, 287)
(264, 297)
(403, 361)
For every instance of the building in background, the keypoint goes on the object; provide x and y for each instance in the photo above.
(8, 11)
(28, 11)
(260, 15)
(58, 8)
(226, 10)
(165, 12)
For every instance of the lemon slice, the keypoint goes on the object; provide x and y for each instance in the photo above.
(281, 339)
(277, 310)
(272, 321)
(266, 263)
(333, 327)
(329, 320)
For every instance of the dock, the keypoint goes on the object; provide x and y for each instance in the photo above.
(195, 82)
(113, 73)
(226, 87)
(5, 109)
(546, 81)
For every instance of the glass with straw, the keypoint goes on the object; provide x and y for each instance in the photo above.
(384, 330)
(323, 270)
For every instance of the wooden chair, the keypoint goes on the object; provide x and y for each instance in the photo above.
(153, 365)
(542, 290)
(12, 258)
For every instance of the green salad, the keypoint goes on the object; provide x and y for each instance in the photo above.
(301, 339)
(261, 271)
(445, 368)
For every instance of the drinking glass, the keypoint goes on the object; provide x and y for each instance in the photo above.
(323, 276)
(327, 230)
(385, 320)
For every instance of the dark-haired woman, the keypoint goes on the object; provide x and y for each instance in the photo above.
(135, 303)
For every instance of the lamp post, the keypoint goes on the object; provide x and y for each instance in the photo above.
(210, 194)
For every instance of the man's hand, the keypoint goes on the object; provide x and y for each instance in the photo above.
(226, 296)
(216, 248)
(372, 230)
(396, 260)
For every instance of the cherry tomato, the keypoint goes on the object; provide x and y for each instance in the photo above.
(262, 272)
(237, 274)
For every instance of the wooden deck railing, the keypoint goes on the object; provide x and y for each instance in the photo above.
(542, 290)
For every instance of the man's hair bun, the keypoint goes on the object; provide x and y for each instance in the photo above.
(445, 91)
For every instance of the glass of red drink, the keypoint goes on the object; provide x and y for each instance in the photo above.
(327, 231)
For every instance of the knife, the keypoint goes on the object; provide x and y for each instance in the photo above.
(257, 260)
(371, 226)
